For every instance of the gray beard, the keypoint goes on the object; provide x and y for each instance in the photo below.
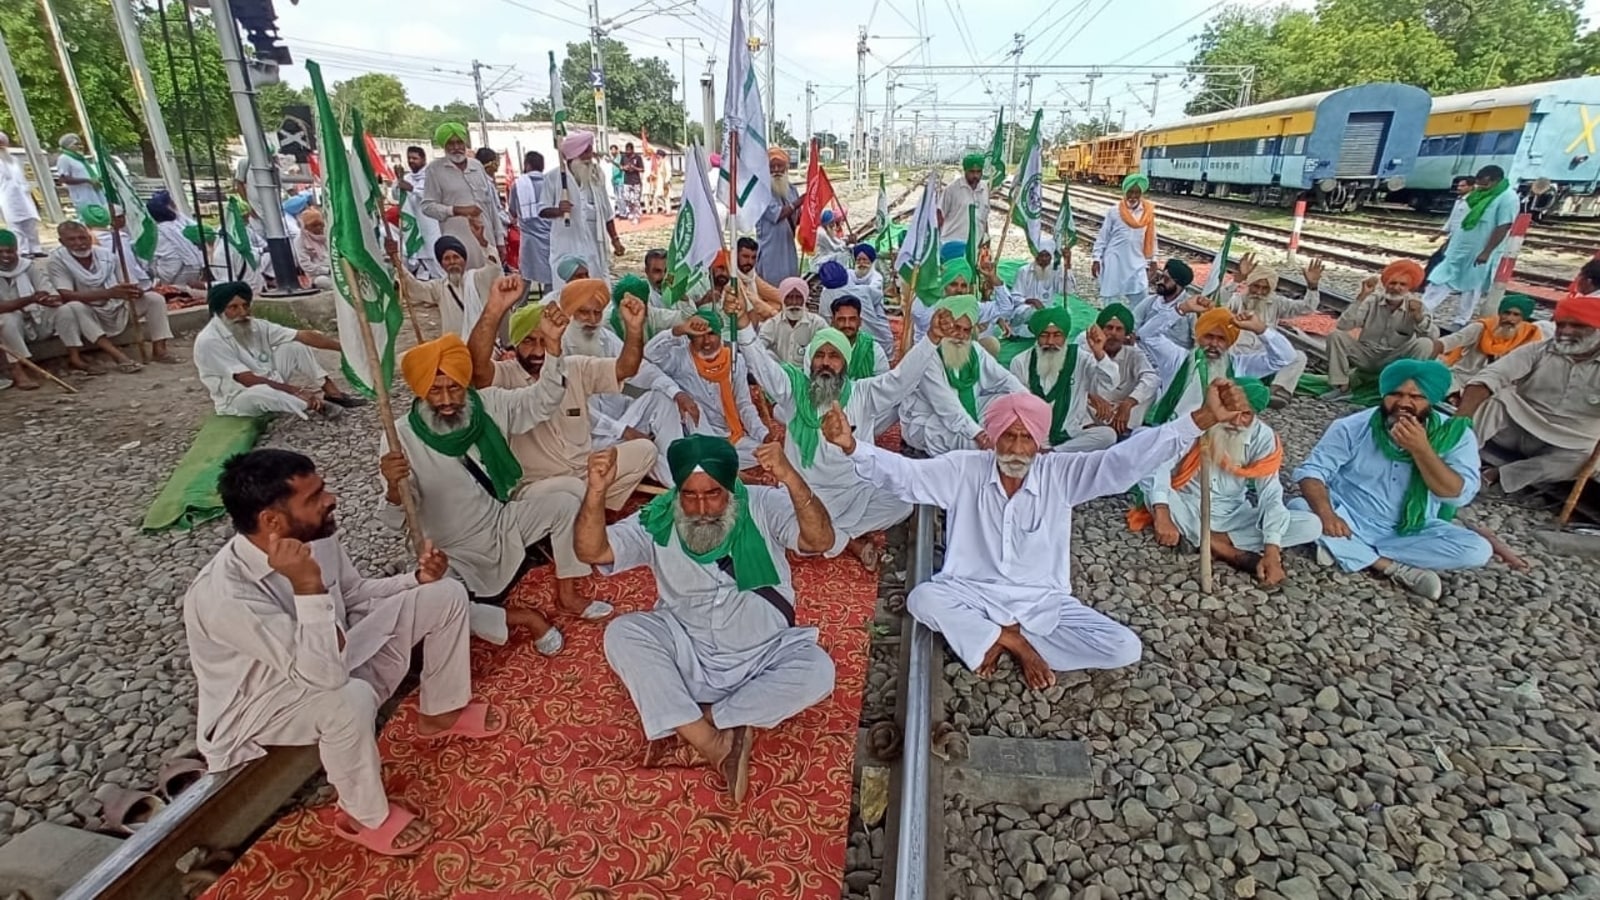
(586, 341)
(955, 352)
(1572, 349)
(441, 425)
(702, 534)
(1014, 465)
(1050, 363)
(243, 332)
(825, 388)
(454, 278)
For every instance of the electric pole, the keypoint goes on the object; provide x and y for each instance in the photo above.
(30, 138)
(70, 76)
(858, 169)
(805, 143)
(1088, 105)
(708, 105)
(483, 118)
(1016, 72)
(597, 75)
(772, 67)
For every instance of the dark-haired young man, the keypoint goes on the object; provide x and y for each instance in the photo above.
(291, 645)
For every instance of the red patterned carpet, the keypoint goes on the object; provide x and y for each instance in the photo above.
(561, 804)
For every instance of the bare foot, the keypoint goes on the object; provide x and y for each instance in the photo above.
(1269, 571)
(22, 381)
(1502, 550)
(991, 660)
(1036, 673)
(1491, 475)
(411, 838)
(865, 549)
(531, 619)
(428, 725)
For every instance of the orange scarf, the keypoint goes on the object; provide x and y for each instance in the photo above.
(1139, 517)
(720, 370)
(1147, 222)
(1493, 346)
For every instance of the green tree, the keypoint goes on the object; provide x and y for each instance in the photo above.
(422, 122)
(273, 99)
(381, 98)
(639, 92)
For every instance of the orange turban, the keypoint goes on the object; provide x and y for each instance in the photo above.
(1409, 268)
(778, 153)
(1582, 310)
(1217, 321)
(424, 362)
(720, 261)
(576, 293)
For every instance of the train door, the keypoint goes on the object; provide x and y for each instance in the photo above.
(1467, 162)
(1362, 144)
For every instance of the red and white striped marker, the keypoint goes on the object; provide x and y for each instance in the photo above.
(1508, 262)
(1294, 236)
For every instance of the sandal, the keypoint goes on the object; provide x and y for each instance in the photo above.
(124, 811)
(128, 368)
(178, 775)
(735, 767)
(381, 839)
(595, 611)
(168, 360)
(470, 724)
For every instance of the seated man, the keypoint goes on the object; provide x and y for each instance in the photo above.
(28, 312)
(1168, 290)
(250, 365)
(561, 444)
(1394, 326)
(866, 354)
(802, 393)
(461, 294)
(465, 488)
(292, 646)
(720, 654)
(86, 278)
(1184, 373)
(311, 251)
(657, 318)
(693, 355)
(747, 254)
(945, 406)
(1470, 350)
(1006, 585)
(1256, 293)
(866, 284)
(957, 279)
(788, 333)
(1245, 455)
(180, 257)
(1541, 402)
(1121, 401)
(1040, 284)
(1061, 376)
(1379, 480)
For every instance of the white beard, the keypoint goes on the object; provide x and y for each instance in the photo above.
(794, 314)
(1228, 445)
(1013, 465)
(780, 188)
(583, 170)
(585, 342)
(704, 534)
(457, 158)
(1049, 363)
(955, 353)
(439, 425)
(1577, 348)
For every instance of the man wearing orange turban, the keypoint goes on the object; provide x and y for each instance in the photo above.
(1185, 373)
(466, 483)
(1541, 401)
(1387, 321)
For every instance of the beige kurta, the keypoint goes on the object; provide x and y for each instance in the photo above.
(787, 340)
(1474, 360)
(105, 317)
(459, 306)
(450, 186)
(1551, 397)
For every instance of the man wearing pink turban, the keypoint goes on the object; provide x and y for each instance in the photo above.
(788, 333)
(580, 197)
(1006, 585)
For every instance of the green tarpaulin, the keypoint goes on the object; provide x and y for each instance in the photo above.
(189, 497)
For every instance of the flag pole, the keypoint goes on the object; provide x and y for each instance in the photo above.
(399, 266)
(733, 241)
(1205, 514)
(122, 265)
(908, 323)
(380, 387)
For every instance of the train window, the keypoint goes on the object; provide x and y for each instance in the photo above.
(1506, 143)
(1451, 144)
(1469, 145)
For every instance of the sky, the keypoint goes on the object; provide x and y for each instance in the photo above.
(431, 51)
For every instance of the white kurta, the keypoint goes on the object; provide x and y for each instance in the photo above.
(82, 195)
(1009, 559)
(178, 261)
(1544, 406)
(673, 356)
(586, 236)
(16, 198)
(1119, 249)
(31, 323)
(105, 317)
(646, 405)
(446, 186)
(874, 317)
(1274, 353)
(957, 203)
(273, 352)
(1085, 434)
(706, 641)
(460, 306)
(788, 340)
(933, 419)
(1034, 283)
(1181, 329)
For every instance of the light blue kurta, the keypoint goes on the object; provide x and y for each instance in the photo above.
(1367, 490)
(779, 257)
(1459, 269)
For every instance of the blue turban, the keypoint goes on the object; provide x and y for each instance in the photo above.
(867, 250)
(832, 274)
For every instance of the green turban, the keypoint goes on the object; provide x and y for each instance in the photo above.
(8, 239)
(1255, 390)
(744, 546)
(1052, 315)
(708, 453)
(630, 284)
(1116, 311)
(712, 318)
(219, 295)
(1432, 378)
(1522, 303)
(1135, 180)
(524, 321)
(95, 216)
(961, 306)
(972, 161)
(1180, 272)
(448, 130)
(831, 337)
(956, 268)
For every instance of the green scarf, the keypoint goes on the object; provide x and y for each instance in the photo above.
(1444, 433)
(481, 432)
(94, 170)
(965, 382)
(1478, 202)
(863, 357)
(752, 560)
(1060, 396)
(805, 429)
(1167, 407)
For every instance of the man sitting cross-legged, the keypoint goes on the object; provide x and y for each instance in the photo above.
(1245, 455)
(1120, 402)
(291, 645)
(464, 479)
(1006, 585)
(720, 653)
(715, 381)
(1061, 375)
(1474, 348)
(1380, 479)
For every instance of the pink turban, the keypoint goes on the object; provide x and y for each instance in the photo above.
(1032, 412)
(791, 285)
(577, 144)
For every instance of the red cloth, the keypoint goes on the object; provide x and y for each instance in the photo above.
(1583, 310)
(379, 167)
(819, 196)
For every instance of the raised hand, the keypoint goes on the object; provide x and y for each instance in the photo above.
(1415, 307)
(1221, 403)
(432, 564)
(1369, 284)
(1313, 273)
(1409, 435)
(1096, 339)
(293, 560)
(602, 469)
(941, 326)
(771, 458)
(836, 429)
(1249, 321)
(506, 291)
(1247, 264)
(632, 311)
(694, 326)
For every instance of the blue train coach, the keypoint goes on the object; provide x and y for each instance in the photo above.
(1338, 148)
(1545, 136)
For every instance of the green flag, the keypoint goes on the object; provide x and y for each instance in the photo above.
(366, 289)
(1027, 210)
(995, 165)
(1066, 227)
(120, 197)
(236, 231)
(558, 106)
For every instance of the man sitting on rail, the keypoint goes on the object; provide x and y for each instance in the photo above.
(720, 654)
(1385, 483)
(1587, 283)
(716, 382)
(1184, 373)
(1542, 401)
(1009, 511)
(945, 407)
(1257, 293)
(1374, 331)
(1470, 350)
(1121, 402)
(292, 646)
(1125, 248)
(1245, 456)
(1061, 375)
(1475, 246)
(1167, 291)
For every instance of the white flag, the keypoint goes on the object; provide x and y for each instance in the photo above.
(1219, 265)
(920, 248)
(743, 115)
(696, 237)
(558, 105)
(1028, 210)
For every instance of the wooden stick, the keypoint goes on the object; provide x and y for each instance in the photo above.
(1205, 514)
(36, 369)
(1584, 474)
(133, 313)
(385, 411)
(399, 267)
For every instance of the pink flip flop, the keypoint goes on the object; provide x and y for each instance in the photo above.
(470, 724)
(381, 839)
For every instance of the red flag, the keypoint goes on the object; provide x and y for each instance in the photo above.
(316, 166)
(380, 168)
(819, 196)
